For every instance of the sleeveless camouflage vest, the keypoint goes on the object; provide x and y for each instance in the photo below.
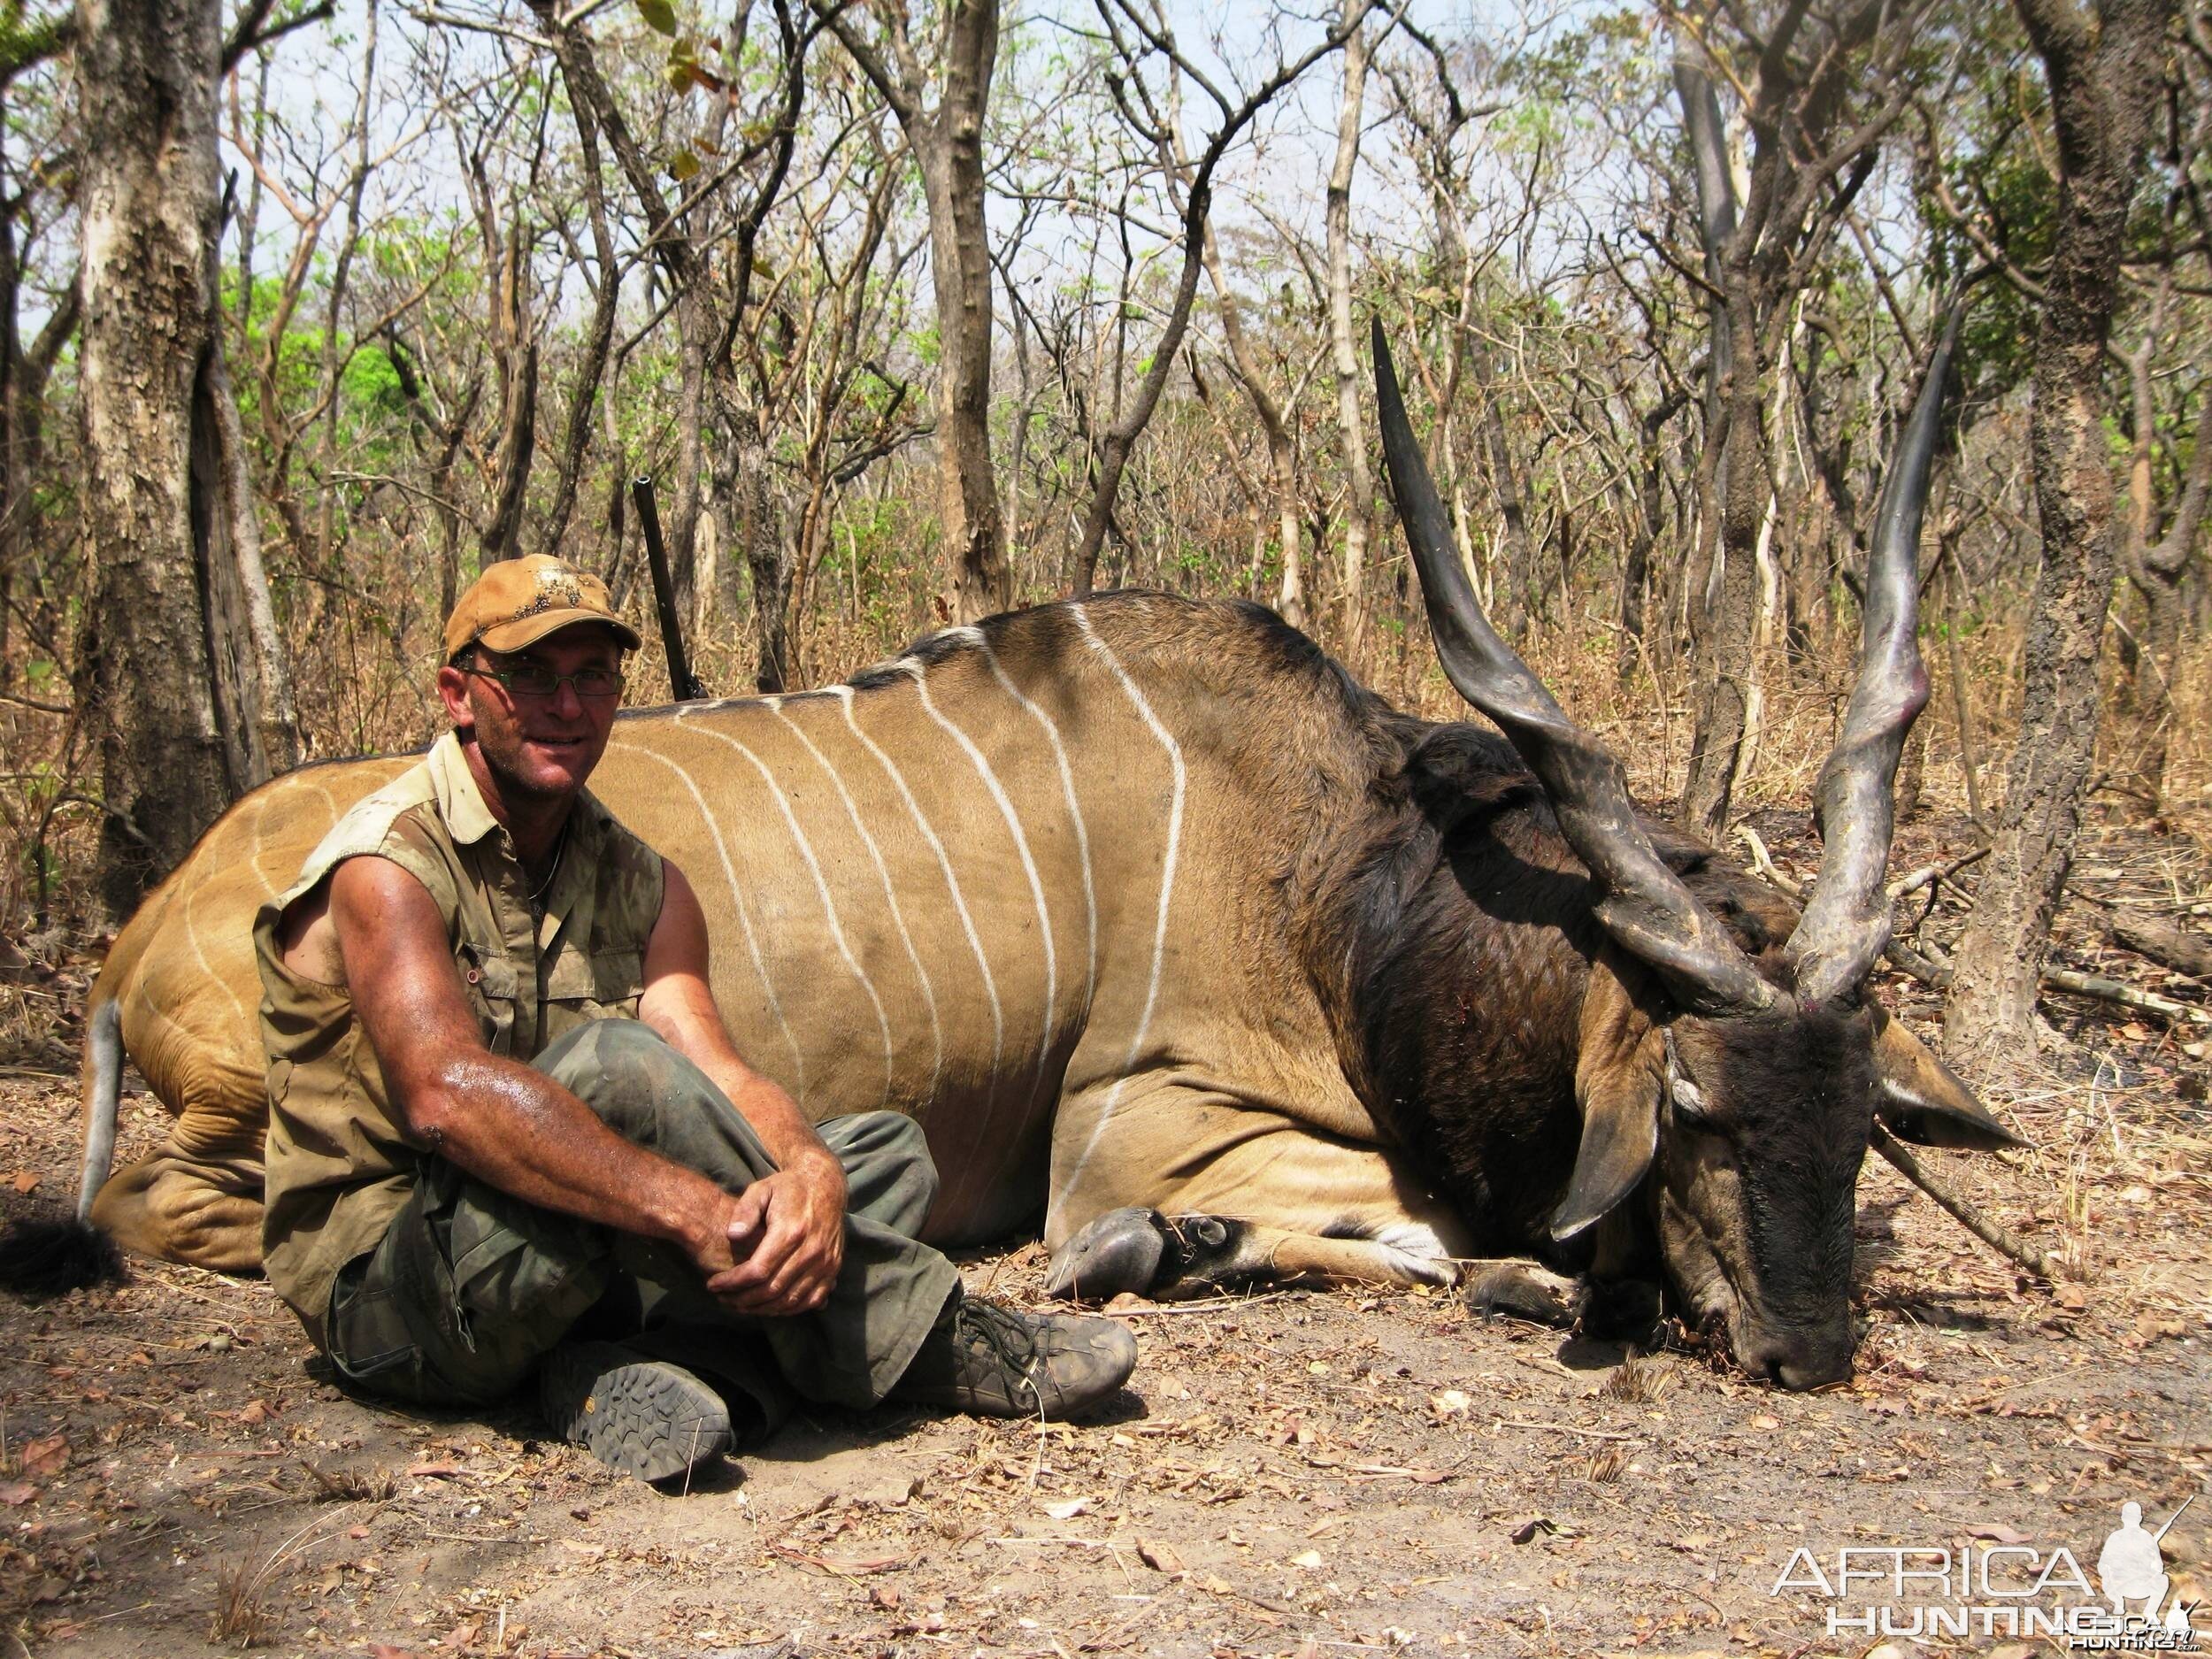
(340, 1163)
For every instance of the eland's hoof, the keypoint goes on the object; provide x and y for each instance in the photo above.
(1119, 1251)
(1522, 1289)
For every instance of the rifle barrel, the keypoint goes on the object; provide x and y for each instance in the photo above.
(681, 685)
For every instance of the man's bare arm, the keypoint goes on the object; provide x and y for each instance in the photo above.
(504, 1122)
(792, 1239)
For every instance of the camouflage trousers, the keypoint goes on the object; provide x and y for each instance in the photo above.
(471, 1287)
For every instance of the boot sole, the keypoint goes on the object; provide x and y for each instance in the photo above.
(645, 1417)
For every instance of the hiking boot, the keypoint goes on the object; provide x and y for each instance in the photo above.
(995, 1362)
(645, 1416)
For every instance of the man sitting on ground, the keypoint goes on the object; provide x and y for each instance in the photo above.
(509, 1132)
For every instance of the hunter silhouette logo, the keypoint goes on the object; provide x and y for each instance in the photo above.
(2006, 1587)
(2131, 1567)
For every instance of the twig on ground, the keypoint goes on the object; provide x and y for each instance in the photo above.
(1765, 864)
(1568, 1428)
(1962, 1211)
(1936, 973)
(1929, 875)
(1212, 1304)
(2126, 995)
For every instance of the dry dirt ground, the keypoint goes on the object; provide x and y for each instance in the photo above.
(1296, 1473)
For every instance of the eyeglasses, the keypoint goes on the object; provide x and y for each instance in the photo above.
(531, 680)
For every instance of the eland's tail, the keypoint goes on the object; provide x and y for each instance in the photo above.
(49, 1256)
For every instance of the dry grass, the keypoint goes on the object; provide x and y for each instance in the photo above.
(241, 1616)
(1639, 1381)
(1601, 1467)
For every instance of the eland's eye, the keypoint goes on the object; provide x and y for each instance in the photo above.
(1689, 1103)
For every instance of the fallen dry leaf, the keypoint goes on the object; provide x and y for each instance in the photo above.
(842, 1566)
(1066, 1509)
(48, 1455)
(1159, 1556)
(1997, 1534)
(1306, 1558)
(1451, 1403)
(24, 1180)
(17, 1493)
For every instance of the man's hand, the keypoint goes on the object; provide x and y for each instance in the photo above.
(783, 1238)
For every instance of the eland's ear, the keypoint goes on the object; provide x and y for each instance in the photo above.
(1923, 1101)
(1618, 1074)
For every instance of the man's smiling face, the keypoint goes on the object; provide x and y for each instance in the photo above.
(546, 745)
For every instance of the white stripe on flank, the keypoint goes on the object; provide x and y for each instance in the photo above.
(944, 865)
(1067, 788)
(744, 916)
(982, 765)
(821, 885)
(260, 817)
(890, 898)
(1167, 888)
(192, 932)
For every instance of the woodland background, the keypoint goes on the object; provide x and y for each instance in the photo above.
(918, 311)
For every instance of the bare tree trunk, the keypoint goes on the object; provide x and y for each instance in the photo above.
(2103, 72)
(1730, 624)
(2156, 567)
(178, 650)
(692, 327)
(1636, 566)
(947, 145)
(1359, 487)
(1505, 479)
(756, 531)
(1282, 458)
(598, 341)
(1720, 604)
(23, 379)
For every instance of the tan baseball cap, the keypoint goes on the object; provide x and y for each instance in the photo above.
(517, 602)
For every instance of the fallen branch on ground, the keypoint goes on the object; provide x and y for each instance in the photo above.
(2165, 942)
(1932, 970)
(1962, 1211)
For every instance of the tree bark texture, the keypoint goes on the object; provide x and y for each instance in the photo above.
(1733, 481)
(2103, 71)
(1726, 658)
(1282, 454)
(1636, 564)
(1359, 487)
(180, 665)
(2157, 564)
(948, 145)
(1513, 605)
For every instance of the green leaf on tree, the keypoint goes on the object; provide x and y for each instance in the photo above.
(659, 15)
(683, 166)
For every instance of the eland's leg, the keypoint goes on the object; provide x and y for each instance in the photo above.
(1174, 1256)
(196, 1206)
(1178, 1192)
